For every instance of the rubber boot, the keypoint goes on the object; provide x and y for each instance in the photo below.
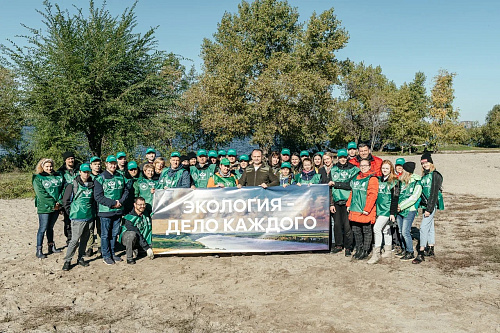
(53, 249)
(387, 252)
(39, 253)
(375, 256)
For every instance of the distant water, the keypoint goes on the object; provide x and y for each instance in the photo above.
(243, 244)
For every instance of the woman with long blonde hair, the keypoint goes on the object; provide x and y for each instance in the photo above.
(48, 186)
(387, 209)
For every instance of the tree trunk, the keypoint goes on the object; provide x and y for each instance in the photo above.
(95, 143)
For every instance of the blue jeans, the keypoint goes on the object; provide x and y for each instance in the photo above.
(46, 225)
(404, 224)
(427, 230)
(110, 228)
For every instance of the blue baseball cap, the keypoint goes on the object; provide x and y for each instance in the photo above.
(132, 165)
(85, 167)
(110, 158)
(342, 152)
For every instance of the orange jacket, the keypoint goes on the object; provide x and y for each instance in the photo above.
(371, 198)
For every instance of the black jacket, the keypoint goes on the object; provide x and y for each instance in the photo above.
(437, 182)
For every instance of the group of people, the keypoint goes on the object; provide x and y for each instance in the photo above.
(369, 197)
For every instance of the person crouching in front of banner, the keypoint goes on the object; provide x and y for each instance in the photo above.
(175, 176)
(136, 230)
(78, 201)
(362, 210)
(308, 175)
(110, 192)
(387, 209)
(48, 186)
(286, 175)
(224, 177)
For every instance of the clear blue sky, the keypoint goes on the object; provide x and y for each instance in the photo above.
(401, 36)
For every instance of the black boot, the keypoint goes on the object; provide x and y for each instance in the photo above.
(39, 253)
(53, 249)
(66, 266)
(420, 257)
(82, 262)
(359, 250)
(363, 255)
(408, 256)
(431, 251)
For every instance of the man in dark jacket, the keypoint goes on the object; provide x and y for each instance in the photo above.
(69, 170)
(78, 201)
(110, 192)
(258, 174)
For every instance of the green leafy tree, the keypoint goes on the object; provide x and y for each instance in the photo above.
(92, 76)
(491, 129)
(10, 110)
(268, 76)
(407, 125)
(444, 126)
(366, 102)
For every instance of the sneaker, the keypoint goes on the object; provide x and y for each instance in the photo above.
(66, 266)
(89, 252)
(348, 252)
(108, 261)
(131, 261)
(150, 253)
(408, 256)
(336, 249)
(116, 258)
(82, 262)
(418, 259)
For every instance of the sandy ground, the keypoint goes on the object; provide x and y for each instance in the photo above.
(458, 291)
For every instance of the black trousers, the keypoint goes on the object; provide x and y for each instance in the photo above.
(67, 226)
(363, 234)
(341, 228)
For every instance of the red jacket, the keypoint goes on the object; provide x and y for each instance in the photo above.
(375, 164)
(371, 199)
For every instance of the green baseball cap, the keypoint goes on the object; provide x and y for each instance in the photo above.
(175, 154)
(320, 153)
(151, 150)
(342, 152)
(285, 151)
(110, 158)
(201, 152)
(225, 161)
(132, 165)
(95, 158)
(231, 152)
(85, 167)
(222, 152)
(400, 161)
(304, 153)
(244, 158)
(352, 145)
(212, 153)
(120, 154)
(286, 165)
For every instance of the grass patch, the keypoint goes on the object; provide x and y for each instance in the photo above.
(162, 243)
(16, 185)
